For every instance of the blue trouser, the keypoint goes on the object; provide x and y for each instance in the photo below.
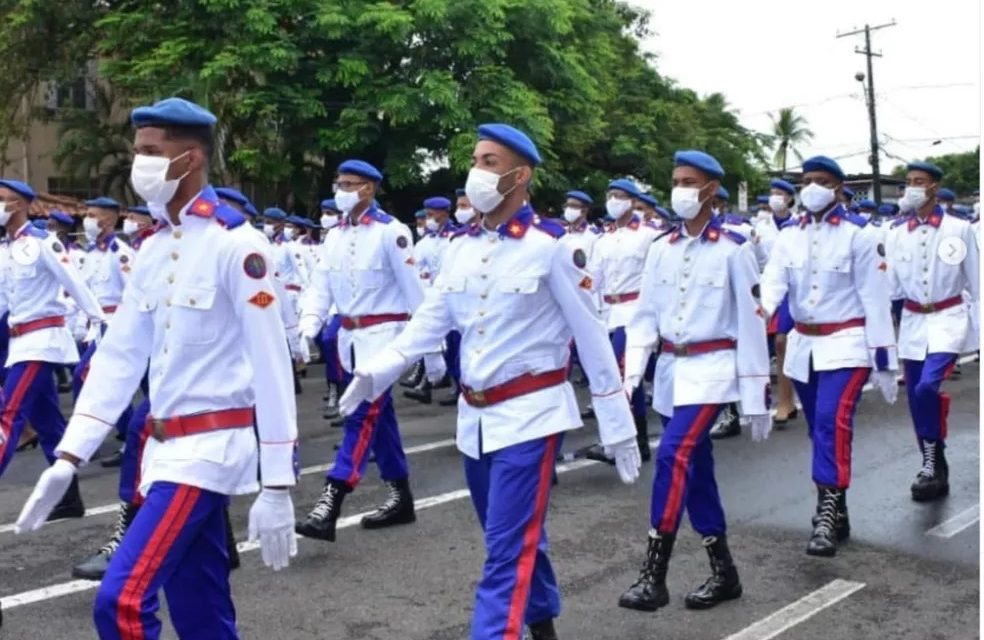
(328, 345)
(79, 377)
(177, 541)
(29, 393)
(452, 355)
(927, 405)
(136, 437)
(510, 489)
(638, 399)
(829, 401)
(4, 345)
(685, 473)
(372, 427)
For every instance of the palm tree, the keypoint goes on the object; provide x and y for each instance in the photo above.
(789, 130)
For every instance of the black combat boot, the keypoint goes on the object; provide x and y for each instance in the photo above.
(723, 584)
(398, 508)
(649, 592)
(728, 425)
(642, 438)
(933, 480)
(842, 527)
(70, 505)
(823, 541)
(320, 523)
(94, 567)
(543, 630)
(416, 375)
(231, 542)
(420, 393)
(331, 402)
(451, 400)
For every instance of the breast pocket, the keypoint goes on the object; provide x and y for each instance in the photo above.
(517, 295)
(711, 288)
(453, 289)
(195, 320)
(836, 269)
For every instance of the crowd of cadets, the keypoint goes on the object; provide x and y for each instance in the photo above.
(682, 309)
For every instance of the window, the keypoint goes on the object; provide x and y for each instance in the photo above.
(81, 188)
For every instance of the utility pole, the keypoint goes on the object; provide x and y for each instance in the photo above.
(870, 95)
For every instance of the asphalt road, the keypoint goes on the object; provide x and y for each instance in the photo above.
(910, 571)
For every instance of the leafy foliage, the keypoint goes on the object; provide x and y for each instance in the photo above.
(961, 171)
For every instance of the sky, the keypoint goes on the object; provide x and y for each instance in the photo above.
(767, 54)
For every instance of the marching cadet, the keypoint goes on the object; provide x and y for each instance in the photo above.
(420, 224)
(38, 271)
(867, 209)
(619, 256)
(934, 259)
(464, 212)
(327, 340)
(137, 225)
(199, 307)
(518, 297)
(581, 235)
(366, 271)
(945, 199)
(61, 225)
(699, 305)
(782, 197)
(428, 253)
(833, 271)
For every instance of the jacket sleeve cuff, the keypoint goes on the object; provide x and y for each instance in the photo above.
(755, 394)
(83, 436)
(277, 464)
(615, 423)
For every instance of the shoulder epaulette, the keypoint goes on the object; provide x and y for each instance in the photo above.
(855, 219)
(36, 232)
(734, 236)
(229, 217)
(550, 227)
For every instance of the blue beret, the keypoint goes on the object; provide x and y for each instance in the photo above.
(172, 111)
(825, 164)
(139, 210)
(849, 192)
(580, 195)
(762, 199)
(229, 193)
(722, 193)
(854, 207)
(867, 204)
(929, 168)
(663, 212)
(437, 203)
(888, 209)
(699, 160)
(783, 185)
(625, 185)
(511, 138)
(421, 213)
(946, 194)
(648, 199)
(296, 221)
(62, 217)
(250, 209)
(275, 213)
(103, 203)
(329, 204)
(20, 188)
(458, 193)
(361, 168)
(40, 223)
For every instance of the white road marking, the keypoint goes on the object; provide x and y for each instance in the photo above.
(795, 613)
(112, 508)
(78, 586)
(956, 524)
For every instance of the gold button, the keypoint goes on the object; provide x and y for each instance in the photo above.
(481, 313)
(814, 272)
(177, 234)
(484, 296)
(485, 259)
(477, 351)
(170, 278)
(683, 288)
(167, 325)
(192, 302)
(679, 318)
(485, 276)
(168, 302)
(174, 255)
(814, 286)
(812, 302)
(686, 259)
(481, 332)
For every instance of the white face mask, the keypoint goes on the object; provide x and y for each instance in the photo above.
(148, 175)
(482, 188)
(572, 214)
(686, 202)
(914, 197)
(464, 215)
(130, 227)
(617, 208)
(432, 224)
(269, 230)
(347, 200)
(777, 203)
(816, 198)
(91, 228)
(4, 214)
(289, 233)
(328, 221)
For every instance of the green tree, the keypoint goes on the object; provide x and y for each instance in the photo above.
(961, 171)
(789, 130)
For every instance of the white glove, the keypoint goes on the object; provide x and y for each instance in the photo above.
(627, 459)
(630, 384)
(49, 490)
(309, 327)
(761, 426)
(271, 521)
(886, 382)
(359, 390)
(94, 333)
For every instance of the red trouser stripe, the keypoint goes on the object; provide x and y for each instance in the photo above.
(531, 541)
(16, 399)
(362, 444)
(681, 461)
(165, 533)
(842, 426)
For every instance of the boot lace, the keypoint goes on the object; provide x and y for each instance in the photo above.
(122, 521)
(325, 504)
(828, 514)
(929, 461)
(393, 501)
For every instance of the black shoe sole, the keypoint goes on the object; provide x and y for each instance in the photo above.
(699, 605)
(302, 530)
(67, 514)
(369, 524)
(85, 575)
(413, 396)
(821, 553)
(931, 497)
(635, 605)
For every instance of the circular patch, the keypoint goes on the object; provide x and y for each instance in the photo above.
(401, 242)
(580, 258)
(56, 247)
(124, 259)
(881, 249)
(952, 250)
(756, 291)
(255, 266)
